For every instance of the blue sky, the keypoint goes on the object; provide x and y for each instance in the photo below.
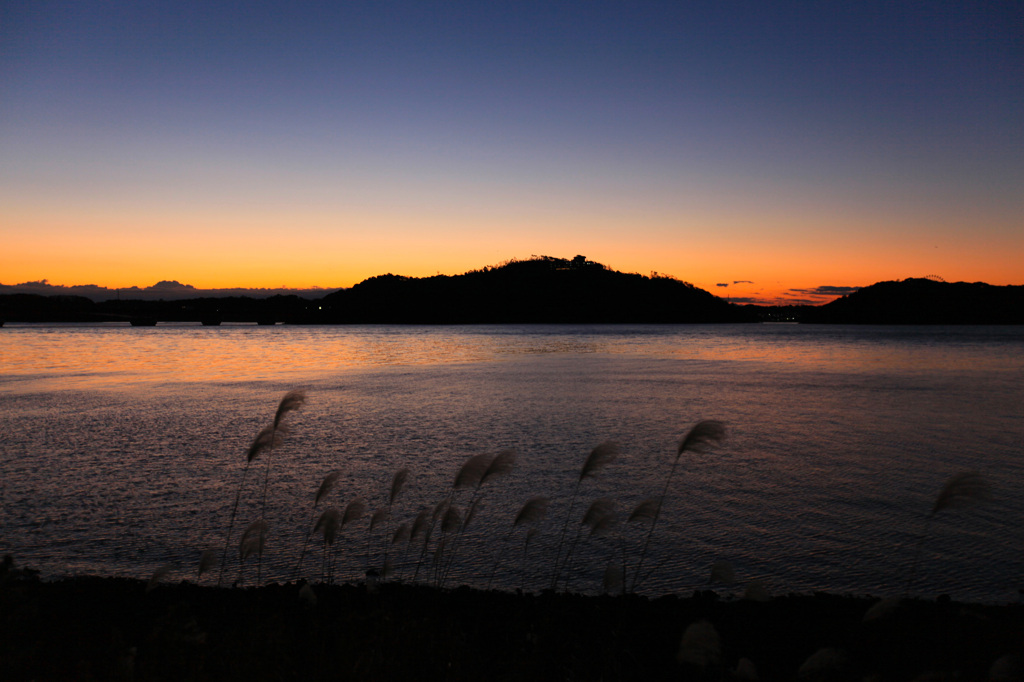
(794, 145)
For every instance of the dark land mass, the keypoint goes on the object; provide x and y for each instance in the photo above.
(924, 301)
(117, 629)
(540, 290)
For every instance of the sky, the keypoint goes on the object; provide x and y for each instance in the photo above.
(764, 151)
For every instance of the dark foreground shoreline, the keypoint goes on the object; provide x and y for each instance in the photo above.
(114, 629)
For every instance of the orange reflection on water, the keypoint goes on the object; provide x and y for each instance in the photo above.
(120, 356)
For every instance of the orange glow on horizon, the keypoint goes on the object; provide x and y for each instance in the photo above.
(767, 259)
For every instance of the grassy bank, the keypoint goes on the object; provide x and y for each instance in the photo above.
(109, 628)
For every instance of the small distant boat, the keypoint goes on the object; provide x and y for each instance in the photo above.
(143, 321)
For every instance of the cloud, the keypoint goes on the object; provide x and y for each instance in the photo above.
(815, 295)
(722, 284)
(800, 301)
(826, 290)
(742, 281)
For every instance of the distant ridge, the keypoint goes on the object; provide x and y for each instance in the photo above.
(541, 289)
(164, 290)
(924, 301)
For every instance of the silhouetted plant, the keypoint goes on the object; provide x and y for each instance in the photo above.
(599, 457)
(398, 483)
(454, 519)
(207, 560)
(265, 439)
(293, 400)
(158, 575)
(530, 514)
(327, 526)
(961, 490)
(498, 466)
(468, 475)
(378, 518)
(326, 486)
(450, 523)
(420, 528)
(401, 534)
(699, 437)
(354, 511)
(599, 518)
(253, 539)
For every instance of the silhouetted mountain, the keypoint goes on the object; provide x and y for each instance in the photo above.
(924, 301)
(541, 289)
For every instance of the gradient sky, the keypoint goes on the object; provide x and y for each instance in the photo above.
(774, 147)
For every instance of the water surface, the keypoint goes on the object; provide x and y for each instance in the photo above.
(122, 448)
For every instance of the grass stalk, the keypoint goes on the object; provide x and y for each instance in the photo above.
(697, 439)
(599, 457)
(962, 490)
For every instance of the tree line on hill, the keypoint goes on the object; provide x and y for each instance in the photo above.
(542, 289)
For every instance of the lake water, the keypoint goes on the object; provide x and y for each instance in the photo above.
(121, 450)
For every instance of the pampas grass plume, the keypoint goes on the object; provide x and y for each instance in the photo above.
(379, 517)
(722, 572)
(354, 511)
(293, 400)
(252, 539)
(269, 437)
(604, 525)
(598, 510)
(881, 609)
(962, 490)
(421, 523)
(398, 484)
(827, 663)
(330, 480)
(1007, 668)
(452, 519)
(600, 457)
(702, 434)
(701, 646)
(745, 670)
(533, 511)
(328, 523)
(158, 575)
(401, 534)
(502, 464)
(472, 472)
(646, 510)
(207, 560)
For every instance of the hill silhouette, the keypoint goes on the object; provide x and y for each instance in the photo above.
(541, 289)
(924, 301)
